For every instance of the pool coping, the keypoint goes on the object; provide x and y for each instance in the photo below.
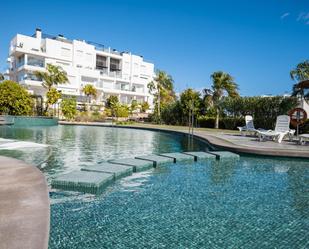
(24, 206)
(212, 139)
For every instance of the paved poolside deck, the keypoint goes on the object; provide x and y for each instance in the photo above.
(225, 140)
(24, 206)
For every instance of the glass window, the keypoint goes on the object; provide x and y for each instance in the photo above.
(35, 61)
(101, 62)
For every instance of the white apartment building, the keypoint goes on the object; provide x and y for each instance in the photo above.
(111, 72)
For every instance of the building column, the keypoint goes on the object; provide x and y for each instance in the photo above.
(25, 59)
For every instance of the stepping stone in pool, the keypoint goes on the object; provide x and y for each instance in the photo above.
(117, 170)
(179, 157)
(225, 155)
(156, 159)
(137, 164)
(83, 181)
(200, 155)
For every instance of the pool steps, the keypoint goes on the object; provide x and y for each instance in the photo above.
(138, 165)
(83, 181)
(118, 171)
(221, 155)
(177, 157)
(156, 159)
(94, 179)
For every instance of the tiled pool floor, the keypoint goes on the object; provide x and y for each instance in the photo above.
(251, 203)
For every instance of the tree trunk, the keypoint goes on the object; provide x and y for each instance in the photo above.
(217, 119)
(159, 105)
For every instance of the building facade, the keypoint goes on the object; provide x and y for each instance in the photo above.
(111, 72)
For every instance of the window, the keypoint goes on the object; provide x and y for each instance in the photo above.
(21, 60)
(35, 61)
(66, 52)
(88, 79)
(101, 62)
(114, 65)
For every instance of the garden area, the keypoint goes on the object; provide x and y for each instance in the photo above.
(219, 106)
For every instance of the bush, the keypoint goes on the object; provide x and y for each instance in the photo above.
(122, 111)
(68, 108)
(209, 122)
(145, 106)
(172, 114)
(96, 116)
(14, 99)
(263, 109)
(232, 123)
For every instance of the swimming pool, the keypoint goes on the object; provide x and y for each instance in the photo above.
(250, 203)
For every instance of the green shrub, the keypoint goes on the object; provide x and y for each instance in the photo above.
(209, 122)
(14, 99)
(145, 106)
(122, 111)
(96, 116)
(68, 108)
(172, 114)
(232, 123)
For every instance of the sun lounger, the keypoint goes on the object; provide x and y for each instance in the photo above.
(249, 127)
(281, 130)
(303, 138)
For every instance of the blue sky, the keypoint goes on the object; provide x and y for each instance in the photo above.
(257, 42)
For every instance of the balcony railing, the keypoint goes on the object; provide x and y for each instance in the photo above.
(116, 74)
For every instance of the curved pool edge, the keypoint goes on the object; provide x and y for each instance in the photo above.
(213, 139)
(24, 206)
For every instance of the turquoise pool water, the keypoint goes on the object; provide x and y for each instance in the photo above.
(251, 203)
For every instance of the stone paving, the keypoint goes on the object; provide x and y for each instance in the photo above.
(24, 206)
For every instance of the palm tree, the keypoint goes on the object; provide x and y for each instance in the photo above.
(223, 84)
(163, 89)
(300, 73)
(53, 76)
(90, 91)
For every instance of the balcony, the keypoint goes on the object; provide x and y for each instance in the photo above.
(115, 74)
(36, 62)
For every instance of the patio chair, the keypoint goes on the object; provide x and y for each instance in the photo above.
(249, 127)
(281, 130)
(303, 138)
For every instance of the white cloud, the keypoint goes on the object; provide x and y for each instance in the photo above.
(303, 17)
(284, 15)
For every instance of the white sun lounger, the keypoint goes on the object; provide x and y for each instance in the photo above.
(249, 127)
(281, 130)
(303, 138)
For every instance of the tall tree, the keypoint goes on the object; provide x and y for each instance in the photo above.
(223, 84)
(190, 102)
(300, 73)
(90, 91)
(112, 104)
(53, 76)
(162, 87)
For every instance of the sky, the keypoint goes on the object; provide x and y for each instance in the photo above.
(258, 42)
